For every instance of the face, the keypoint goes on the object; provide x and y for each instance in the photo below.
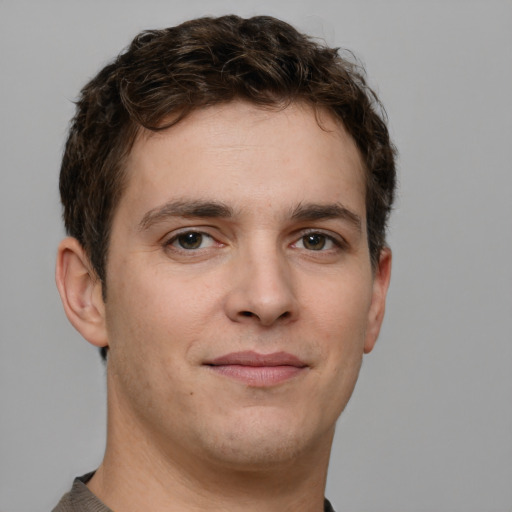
(240, 295)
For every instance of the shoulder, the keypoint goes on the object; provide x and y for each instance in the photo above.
(328, 506)
(80, 498)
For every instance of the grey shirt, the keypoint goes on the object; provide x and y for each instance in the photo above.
(81, 499)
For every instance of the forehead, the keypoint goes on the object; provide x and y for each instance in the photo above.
(237, 151)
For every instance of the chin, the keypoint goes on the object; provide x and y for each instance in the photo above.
(261, 439)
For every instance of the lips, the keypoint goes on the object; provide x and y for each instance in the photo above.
(259, 370)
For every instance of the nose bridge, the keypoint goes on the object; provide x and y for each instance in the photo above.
(263, 289)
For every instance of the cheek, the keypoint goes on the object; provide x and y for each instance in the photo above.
(341, 312)
(340, 318)
(156, 319)
(150, 337)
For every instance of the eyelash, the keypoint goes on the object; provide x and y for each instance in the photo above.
(337, 242)
(175, 238)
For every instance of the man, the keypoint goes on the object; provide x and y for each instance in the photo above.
(226, 186)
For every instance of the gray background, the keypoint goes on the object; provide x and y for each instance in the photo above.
(430, 425)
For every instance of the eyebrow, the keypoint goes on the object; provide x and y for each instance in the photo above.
(190, 209)
(214, 209)
(313, 211)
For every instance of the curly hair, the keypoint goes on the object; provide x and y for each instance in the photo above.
(166, 74)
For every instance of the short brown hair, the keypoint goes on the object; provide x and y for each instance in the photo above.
(200, 63)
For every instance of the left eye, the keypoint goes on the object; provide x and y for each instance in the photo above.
(191, 240)
(315, 242)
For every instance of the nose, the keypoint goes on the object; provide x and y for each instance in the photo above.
(262, 291)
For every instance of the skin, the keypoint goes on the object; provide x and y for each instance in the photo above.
(278, 263)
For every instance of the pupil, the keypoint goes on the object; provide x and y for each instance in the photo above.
(314, 242)
(190, 240)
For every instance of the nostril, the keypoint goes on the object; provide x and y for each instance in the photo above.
(270, 319)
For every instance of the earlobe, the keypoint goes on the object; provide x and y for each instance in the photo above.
(378, 305)
(81, 292)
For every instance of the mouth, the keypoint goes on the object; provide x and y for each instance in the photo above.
(258, 370)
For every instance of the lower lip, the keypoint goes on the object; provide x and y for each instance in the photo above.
(258, 376)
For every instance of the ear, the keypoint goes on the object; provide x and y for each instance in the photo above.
(80, 290)
(378, 306)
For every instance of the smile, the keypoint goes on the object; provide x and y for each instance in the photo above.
(258, 370)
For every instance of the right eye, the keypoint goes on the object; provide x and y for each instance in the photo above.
(191, 240)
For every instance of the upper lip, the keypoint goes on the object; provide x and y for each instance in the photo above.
(250, 358)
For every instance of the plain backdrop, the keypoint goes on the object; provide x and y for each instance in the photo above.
(429, 428)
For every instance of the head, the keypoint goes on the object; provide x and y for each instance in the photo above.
(164, 75)
(227, 183)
